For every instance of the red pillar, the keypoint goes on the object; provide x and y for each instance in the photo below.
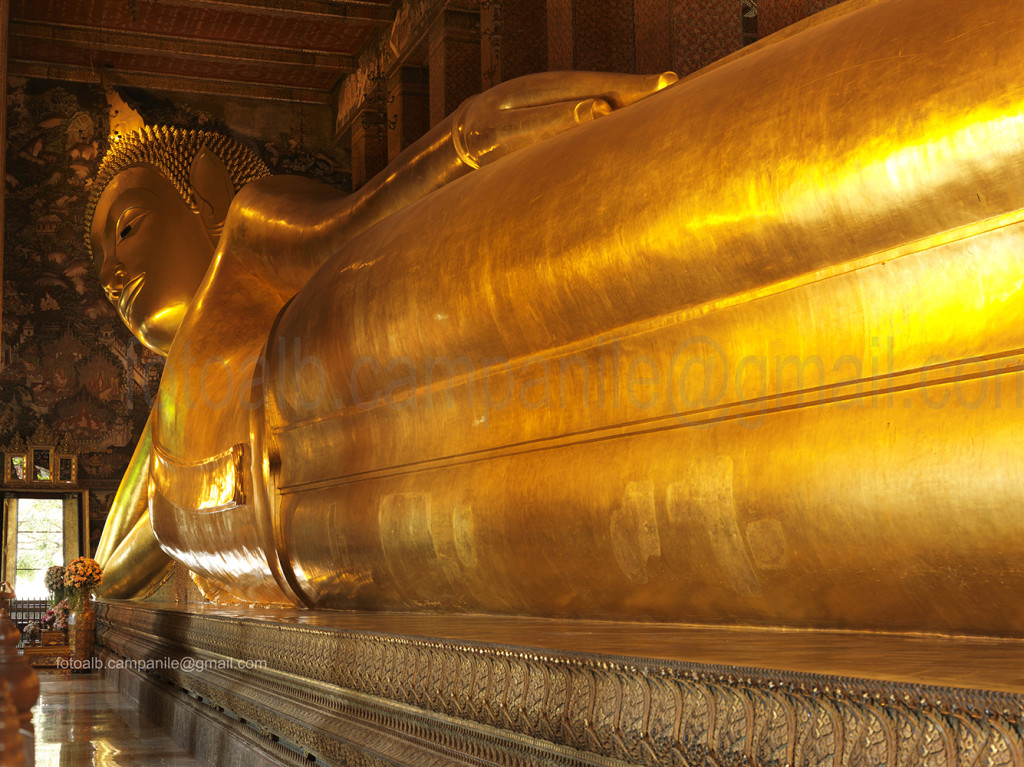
(408, 108)
(454, 61)
(525, 36)
(4, 15)
(591, 35)
(515, 39)
(652, 23)
(369, 146)
(704, 31)
(773, 15)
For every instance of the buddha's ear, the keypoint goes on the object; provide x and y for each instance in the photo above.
(213, 189)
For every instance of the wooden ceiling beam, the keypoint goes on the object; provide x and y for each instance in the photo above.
(169, 83)
(351, 11)
(117, 41)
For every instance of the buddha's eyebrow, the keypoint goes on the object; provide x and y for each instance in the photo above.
(130, 198)
(114, 212)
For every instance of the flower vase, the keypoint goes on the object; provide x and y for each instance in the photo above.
(82, 631)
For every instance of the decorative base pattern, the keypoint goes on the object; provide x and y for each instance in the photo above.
(48, 656)
(53, 638)
(357, 697)
(200, 727)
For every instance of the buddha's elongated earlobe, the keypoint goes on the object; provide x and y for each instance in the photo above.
(211, 184)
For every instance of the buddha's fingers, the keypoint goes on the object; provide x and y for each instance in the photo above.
(131, 500)
(517, 128)
(552, 87)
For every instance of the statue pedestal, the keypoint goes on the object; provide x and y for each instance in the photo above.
(422, 690)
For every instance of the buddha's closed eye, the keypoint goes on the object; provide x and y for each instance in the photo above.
(129, 221)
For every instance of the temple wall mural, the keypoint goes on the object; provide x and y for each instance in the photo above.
(68, 366)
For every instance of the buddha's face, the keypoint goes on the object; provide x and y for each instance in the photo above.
(155, 252)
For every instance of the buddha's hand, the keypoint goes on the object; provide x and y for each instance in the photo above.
(528, 109)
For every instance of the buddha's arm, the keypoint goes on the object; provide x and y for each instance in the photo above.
(128, 550)
(132, 497)
(137, 565)
(286, 227)
(491, 125)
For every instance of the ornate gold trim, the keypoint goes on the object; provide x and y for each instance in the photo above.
(509, 702)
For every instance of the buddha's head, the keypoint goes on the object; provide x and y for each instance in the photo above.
(154, 217)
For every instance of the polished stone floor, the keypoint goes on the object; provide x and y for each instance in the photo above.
(81, 720)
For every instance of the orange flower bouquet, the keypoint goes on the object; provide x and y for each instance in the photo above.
(81, 576)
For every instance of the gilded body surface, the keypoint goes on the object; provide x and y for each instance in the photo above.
(747, 350)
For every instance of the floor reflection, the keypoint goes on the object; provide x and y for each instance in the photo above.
(82, 720)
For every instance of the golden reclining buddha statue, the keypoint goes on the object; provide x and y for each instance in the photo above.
(746, 348)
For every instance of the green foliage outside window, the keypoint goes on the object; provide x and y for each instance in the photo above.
(40, 544)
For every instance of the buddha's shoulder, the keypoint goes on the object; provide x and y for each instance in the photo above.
(216, 351)
(232, 308)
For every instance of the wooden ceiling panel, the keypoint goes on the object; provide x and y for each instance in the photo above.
(104, 41)
(225, 70)
(200, 46)
(337, 34)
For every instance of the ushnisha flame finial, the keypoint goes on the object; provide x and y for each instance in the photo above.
(123, 119)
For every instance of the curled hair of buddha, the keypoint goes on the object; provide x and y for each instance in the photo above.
(171, 151)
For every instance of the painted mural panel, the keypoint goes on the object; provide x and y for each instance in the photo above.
(67, 361)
